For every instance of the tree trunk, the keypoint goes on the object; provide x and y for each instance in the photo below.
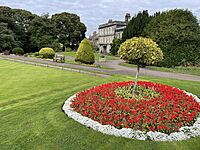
(136, 79)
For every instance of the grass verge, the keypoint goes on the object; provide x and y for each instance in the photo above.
(31, 98)
(97, 55)
(184, 70)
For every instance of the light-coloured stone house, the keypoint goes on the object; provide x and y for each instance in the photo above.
(109, 31)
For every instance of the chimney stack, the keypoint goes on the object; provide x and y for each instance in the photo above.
(127, 17)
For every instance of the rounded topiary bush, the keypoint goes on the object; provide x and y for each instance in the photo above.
(85, 52)
(68, 49)
(18, 51)
(47, 52)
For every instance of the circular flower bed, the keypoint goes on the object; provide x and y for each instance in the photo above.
(158, 108)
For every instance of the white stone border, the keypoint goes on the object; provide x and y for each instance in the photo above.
(183, 134)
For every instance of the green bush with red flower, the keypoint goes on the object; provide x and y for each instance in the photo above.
(167, 111)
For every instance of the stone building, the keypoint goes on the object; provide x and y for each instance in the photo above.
(94, 39)
(109, 31)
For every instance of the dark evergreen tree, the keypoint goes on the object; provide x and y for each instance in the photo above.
(178, 35)
(136, 26)
(115, 46)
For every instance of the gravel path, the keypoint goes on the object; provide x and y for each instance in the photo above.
(117, 68)
(146, 72)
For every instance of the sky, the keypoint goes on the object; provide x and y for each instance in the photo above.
(95, 12)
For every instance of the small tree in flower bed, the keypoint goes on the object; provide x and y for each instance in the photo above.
(140, 51)
(168, 110)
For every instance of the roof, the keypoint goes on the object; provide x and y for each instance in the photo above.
(120, 28)
(120, 23)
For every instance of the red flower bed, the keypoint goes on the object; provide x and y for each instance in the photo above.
(168, 112)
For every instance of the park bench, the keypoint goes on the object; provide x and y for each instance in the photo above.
(59, 58)
(102, 58)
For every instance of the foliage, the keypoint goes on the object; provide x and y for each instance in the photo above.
(47, 52)
(18, 51)
(142, 93)
(32, 32)
(58, 47)
(7, 38)
(166, 113)
(22, 20)
(69, 29)
(17, 21)
(68, 49)
(136, 25)
(140, 51)
(85, 53)
(36, 54)
(178, 34)
(115, 46)
(42, 32)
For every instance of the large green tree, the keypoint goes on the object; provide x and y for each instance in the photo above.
(18, 21)
(177, 33)
(32, 32)
(69, 29)
(136, 25)
(23, 20)
(7, 38)
(42, 31)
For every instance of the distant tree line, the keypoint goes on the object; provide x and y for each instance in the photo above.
(177, 32)
(21, 28)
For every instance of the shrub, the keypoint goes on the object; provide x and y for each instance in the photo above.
(115, 46)
(85, 52)
(140, 51)
(47, 52)
(58, 47)
(18, 51)
(26, 55)
(36, 54)
(68, 49)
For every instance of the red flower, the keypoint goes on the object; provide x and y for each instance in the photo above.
(172, 109)
(127, 109)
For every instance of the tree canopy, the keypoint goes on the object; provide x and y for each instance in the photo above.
(32, 32)
(140, 51)
(69, 30)
(136, 25)
(115, 46)
(7, 38)
(177, 32)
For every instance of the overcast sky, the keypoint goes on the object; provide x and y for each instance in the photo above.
(95, 12)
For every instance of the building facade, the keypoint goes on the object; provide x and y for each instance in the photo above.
(109, 31)
(94, 39)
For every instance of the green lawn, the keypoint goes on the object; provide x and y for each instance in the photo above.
(184, 70)
(31, 98)
(97, 55)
